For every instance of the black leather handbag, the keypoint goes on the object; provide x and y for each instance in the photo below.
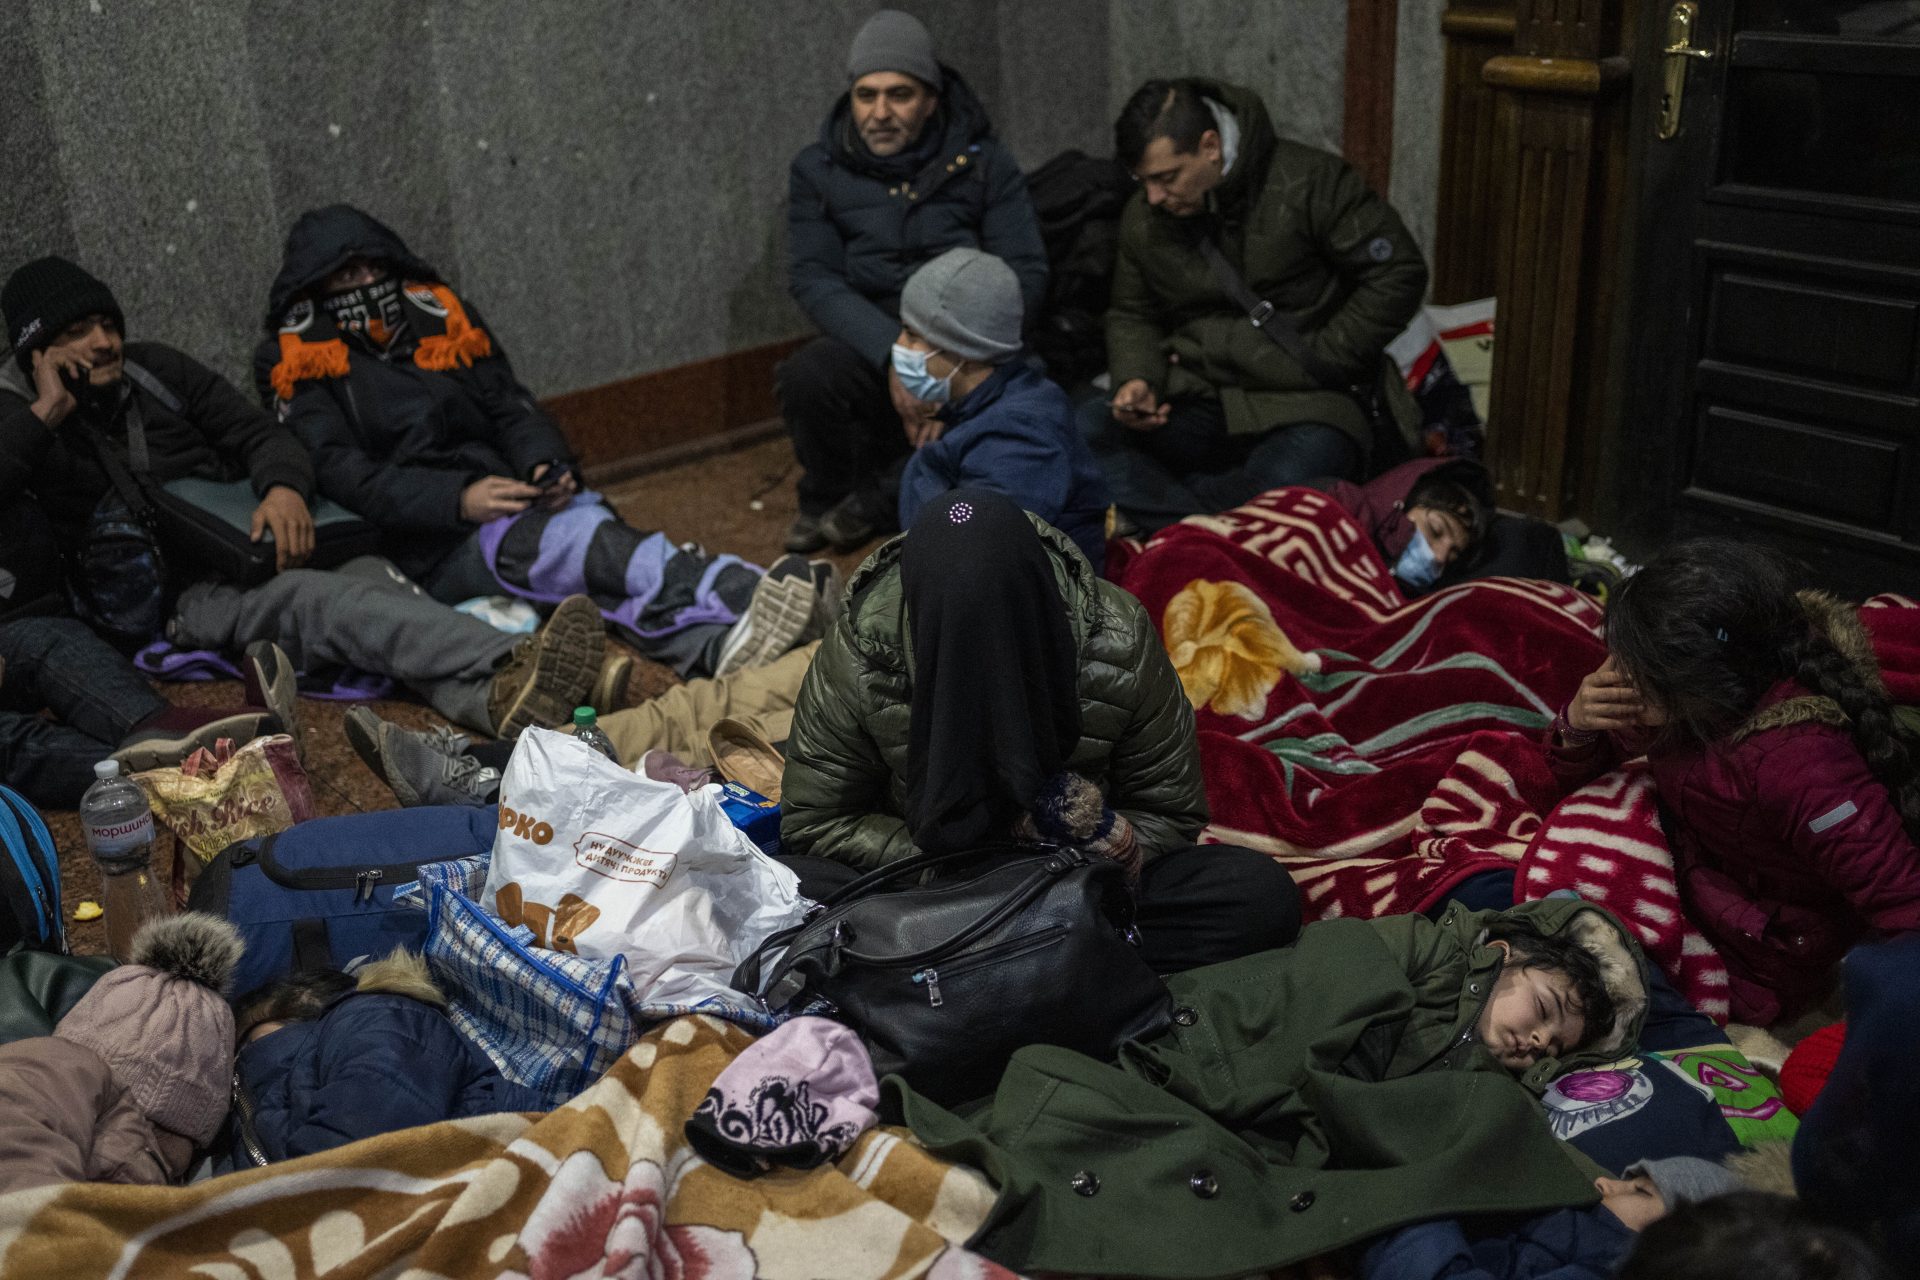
(944, 980)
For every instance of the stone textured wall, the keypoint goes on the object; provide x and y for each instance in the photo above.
(607, 178)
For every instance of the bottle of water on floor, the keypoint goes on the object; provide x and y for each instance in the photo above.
(586, 727)
(119, 827)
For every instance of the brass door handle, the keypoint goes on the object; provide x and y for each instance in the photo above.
(1678, 49)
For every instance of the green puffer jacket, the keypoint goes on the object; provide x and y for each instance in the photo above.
(1304, 1099)
(844, 791)
(1308, 236)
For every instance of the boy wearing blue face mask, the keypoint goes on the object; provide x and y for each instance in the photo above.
(1000, 425)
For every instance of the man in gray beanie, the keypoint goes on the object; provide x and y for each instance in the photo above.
(906, 167)
(996, 424)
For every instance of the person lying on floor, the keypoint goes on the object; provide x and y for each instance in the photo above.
(1568, 1244)
(1433, 520)
(985, 687)
(675, 728)
(997, 424)
(326, 1059)
(1374, 1073)
(68, 404)
(418, 424)
(1792, 806)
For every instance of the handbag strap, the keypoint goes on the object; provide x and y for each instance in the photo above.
(138, 503)
(1276, 324)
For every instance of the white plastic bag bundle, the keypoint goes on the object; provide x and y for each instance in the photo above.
(602, 862)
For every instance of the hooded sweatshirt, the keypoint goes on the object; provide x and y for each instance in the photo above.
(859, 224)
(397, 433)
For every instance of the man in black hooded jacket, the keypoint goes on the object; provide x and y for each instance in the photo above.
(906, 168)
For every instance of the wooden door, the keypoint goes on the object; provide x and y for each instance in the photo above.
(1774, 360)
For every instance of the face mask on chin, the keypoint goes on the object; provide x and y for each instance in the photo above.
(910, 367)
(1417, 568)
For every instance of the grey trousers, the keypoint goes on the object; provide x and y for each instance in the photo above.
(365, 614)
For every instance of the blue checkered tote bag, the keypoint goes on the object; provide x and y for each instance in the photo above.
(552, 1022)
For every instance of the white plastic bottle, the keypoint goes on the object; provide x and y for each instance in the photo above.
(119, 828)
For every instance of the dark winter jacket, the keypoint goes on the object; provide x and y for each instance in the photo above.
(844, 790)
(1308, 236)
(393, 441)
(1567, 1244)
(382, 1057)
(1304, 1099)
(858, 225)
(217, 434)
(1788, 849)
(1015, 434)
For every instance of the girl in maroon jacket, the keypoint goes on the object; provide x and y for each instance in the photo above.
(1791, 805)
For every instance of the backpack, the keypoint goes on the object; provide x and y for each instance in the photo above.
(29, 879)
(320, 895)
(1078, 199)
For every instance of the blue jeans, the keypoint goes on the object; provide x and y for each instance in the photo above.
(94, 692)
(1194, 466)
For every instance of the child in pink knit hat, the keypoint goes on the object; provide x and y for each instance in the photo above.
(137, 1076)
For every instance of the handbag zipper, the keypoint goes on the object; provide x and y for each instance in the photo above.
(929, 977)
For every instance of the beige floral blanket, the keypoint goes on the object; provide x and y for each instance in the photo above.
(606, 1186)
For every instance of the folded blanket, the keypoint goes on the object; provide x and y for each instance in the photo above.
(1384, 750)
(605, 1186)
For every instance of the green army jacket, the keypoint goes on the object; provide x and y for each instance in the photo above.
(1308, 236)
(844, 790)
(1304, 1099)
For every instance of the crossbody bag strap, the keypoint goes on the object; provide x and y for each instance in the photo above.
(1276, 324)
(117, 474)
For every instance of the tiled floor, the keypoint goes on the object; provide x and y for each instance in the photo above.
(709, 501)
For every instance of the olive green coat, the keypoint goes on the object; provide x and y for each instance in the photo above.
(1305, 1099)
(1308, 236)
(844, 790)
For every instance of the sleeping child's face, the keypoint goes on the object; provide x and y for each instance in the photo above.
(1635, 1201)
(1532, 1014)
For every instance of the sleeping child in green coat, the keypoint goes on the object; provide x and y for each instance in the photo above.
(1375, 1073)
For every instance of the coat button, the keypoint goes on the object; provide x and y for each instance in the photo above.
(1204, 1185)
(959, 159)
(1185, 1017)
(1085, 1183)
(1473, 988)
(1301, 1202)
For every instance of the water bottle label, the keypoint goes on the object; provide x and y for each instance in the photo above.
(121, 837)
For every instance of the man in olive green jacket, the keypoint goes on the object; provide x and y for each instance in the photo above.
(1304, 1099)
(1207, 410)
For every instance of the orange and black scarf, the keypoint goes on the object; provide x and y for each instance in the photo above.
(312, 345)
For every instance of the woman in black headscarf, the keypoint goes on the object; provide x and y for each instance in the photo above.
(985, 686)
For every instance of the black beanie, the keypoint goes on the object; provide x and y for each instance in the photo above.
(42, 298)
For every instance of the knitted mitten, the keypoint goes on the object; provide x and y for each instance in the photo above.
(1071, 811)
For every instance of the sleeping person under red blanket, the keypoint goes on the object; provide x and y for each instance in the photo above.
(1434, 522)
(1792, 806)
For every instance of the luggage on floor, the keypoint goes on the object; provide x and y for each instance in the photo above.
(29, 878)
(321, 894)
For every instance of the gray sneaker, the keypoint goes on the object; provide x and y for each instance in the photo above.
(776, 618)
(422, 768)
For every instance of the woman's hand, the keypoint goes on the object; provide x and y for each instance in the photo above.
(1606, 702)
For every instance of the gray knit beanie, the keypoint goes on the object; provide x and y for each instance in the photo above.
(894, 41)
(967, 303)
(1684, 1179)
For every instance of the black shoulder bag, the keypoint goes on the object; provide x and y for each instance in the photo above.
(1389, 445)
(944, 981)
(117, 576)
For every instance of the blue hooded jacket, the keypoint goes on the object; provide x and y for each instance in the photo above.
(1567, 1244)
(1015, 434)
(380, 1058)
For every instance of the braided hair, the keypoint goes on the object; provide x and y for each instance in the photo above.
(1709, 625)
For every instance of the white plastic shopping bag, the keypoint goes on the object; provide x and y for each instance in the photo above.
(603, 862)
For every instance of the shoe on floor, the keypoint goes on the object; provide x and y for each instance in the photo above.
(805, 534)
(421, 768)
(743, 756)
(547, 674)
(272, 683)
(610, 687)
(829, 599)
(853, 523)
(166, 748)
(775, 620)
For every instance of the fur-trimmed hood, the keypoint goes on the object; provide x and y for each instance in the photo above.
(401, 973)
(1841, 623)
